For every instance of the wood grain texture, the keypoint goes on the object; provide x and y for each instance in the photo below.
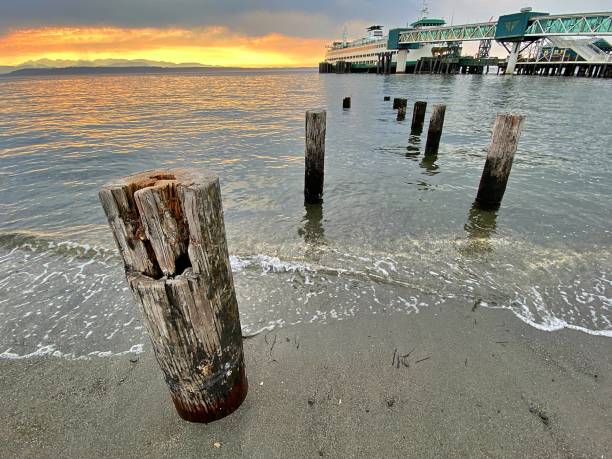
(418, 117)
(315, 156)
(180, 274)
(504, 143)
(436, 124)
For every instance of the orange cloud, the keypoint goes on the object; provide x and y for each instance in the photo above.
(210, 45)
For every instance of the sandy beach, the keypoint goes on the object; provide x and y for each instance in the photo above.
(453, 381)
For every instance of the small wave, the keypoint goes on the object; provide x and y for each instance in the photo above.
(48, 242)
(552, 324)
(51, 350)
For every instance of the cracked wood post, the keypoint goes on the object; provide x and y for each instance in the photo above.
(169, 228)
(315, 156)
(418, 117)
(346, 103)
(504, 142)
(436, 123)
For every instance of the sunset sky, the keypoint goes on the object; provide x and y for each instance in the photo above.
(268, 33)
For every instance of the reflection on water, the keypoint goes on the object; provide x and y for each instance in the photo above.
(312, 230)
(389, 222)
(429, 164)
(414, 145)
(480, 228)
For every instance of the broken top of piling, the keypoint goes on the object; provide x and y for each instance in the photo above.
(158, 230)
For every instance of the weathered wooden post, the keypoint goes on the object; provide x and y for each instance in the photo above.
(504, 142)
(169, 229)
(401, 113)
(346, 103)
(315, 156)
(399, 102)
(418, 117)
(436, 123)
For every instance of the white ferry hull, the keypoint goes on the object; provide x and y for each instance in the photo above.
(365, 57)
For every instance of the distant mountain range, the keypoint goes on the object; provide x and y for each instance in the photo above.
(98, 63)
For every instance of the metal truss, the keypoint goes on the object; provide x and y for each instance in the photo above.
(484, 49)
(468, 32)
(595, 24)
(545, 51)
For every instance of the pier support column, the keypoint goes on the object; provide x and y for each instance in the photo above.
(512, 58)
(402, 55)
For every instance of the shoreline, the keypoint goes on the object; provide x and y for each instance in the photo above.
(470, 382)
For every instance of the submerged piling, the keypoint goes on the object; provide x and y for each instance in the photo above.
(504, 142)
(418, 117)
(346, 103)
(314, 156)
(169, 229)
(436, 123)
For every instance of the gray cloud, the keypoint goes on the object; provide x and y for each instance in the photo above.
(315, 18)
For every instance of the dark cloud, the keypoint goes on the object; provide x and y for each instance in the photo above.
(313, 18)
(296, 17)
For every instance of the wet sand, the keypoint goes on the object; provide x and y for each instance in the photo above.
(469, 382)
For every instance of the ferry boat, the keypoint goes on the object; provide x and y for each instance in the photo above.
(365, 54)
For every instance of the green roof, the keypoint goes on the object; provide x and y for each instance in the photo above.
(428, 22)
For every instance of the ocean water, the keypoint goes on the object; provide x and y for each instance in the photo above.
(396, 232)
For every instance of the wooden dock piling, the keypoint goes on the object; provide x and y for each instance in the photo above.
(436, 123)
(169, 229)
(418, 118)
(504, 142)
(346, 103)
(401, 112)
(399, 102)
(315, 156)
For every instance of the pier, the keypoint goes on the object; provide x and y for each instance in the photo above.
(537, 43)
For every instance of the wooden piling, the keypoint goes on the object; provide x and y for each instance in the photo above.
(401, 113)
(418, 117)
(504, 142)
(346, 103)
(315, 156)
(436, 123)
(169, 229)
(399, 102)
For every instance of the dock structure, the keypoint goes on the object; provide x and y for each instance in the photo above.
(537, 43)
(455, 65)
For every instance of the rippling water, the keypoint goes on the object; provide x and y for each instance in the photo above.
(396, 232)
